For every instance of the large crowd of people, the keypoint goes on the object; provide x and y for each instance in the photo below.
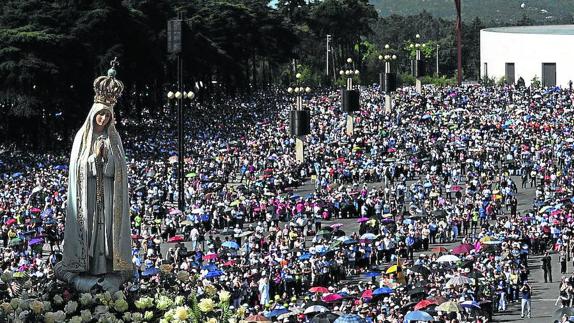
(414, 216)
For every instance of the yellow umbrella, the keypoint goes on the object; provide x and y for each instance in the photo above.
(372, 221)
(485, 239)
(235, 203)
(392, 269)
(449, 307)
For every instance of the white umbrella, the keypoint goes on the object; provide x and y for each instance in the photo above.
(315, 309)
(459, 280)
(198, 211)
(448, 258)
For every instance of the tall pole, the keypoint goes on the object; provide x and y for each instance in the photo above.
(327, 56)
(437, 46)
(180, 142)
(181, 195)
(458, 41)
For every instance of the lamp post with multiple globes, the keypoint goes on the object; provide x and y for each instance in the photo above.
(299, 118)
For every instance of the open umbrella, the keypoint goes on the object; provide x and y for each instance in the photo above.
(176, 238)
(448, 258)
(368, 293)
(214, 274)
(350, 318)
(332, 298)
(15, 242)
(150, 271)
(439, 249)
(568, 311)
(470, 304)
(230, 244)
(458, 280)
(420, 269)
(419, 316)
(315, 309)
(327, 317)
(363, 219)
(462, 249)
(187, 222)
(372, 274)
(278, 311)
(244, 234)
(368, 236)
(424, 304)
(415, 291)
(319, 289)
(210, 256)
(36, 241)
(385, 290)
(449, 307)
(336, 225)
(257, 318)
(392, 269)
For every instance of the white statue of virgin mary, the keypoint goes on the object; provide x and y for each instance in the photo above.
(97, 244)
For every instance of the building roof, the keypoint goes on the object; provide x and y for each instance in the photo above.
(545, 30)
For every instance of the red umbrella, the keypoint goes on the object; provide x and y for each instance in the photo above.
(175, 239)
(424, 304)
(257, 318)
(10, 221)
(35, 210)
(439, 249)
(332, 298)
(456, 188)
(136, 236)
(319, 289)
(367, 294)
(462, 249)
(229, 263)
(210, 256)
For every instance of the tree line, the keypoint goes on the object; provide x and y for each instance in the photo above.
(50, 52)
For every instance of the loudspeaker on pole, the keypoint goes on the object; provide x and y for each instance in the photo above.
(299, 122)
(350, 100)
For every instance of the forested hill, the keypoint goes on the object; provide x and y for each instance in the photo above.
(500, 11)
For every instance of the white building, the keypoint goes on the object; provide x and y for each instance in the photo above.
(545, 52)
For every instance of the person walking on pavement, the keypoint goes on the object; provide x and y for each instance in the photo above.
(525, 295)
(562, 262)
(547, 267)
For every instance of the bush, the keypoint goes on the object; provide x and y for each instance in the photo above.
(438, 81)
(406, 79)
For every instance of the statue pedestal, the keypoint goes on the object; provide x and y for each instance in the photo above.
(388, 104)
(85, 283)
(350, 125)
(300, 149)
(419, 85)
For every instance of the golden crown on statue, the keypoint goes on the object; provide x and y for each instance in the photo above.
(107, 88)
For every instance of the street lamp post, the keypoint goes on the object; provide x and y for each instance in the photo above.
(179, 96)
(350, 97)
(299, 118)
(418, 66)
(389, 82)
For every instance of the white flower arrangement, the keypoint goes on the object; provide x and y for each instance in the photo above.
(71, 307)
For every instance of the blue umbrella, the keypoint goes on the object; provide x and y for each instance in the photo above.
(276, 312)
(210, 267)
(60, 167)
(16, 175)
(418, 316)
(150, 271)
(382, 291)
(230, 244)
(350, 241)
(309, 196)
(213, 274)
(350, 318)
(427, 184)
(372, 274)
(295, 197)
(305, 256)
